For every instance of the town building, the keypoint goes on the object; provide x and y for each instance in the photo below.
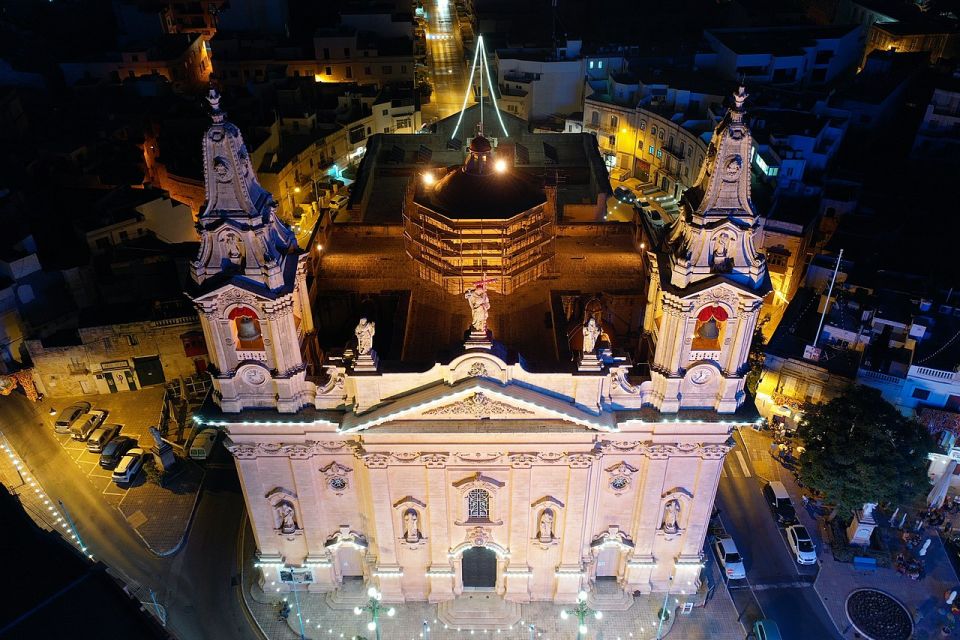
(801, 56)
(120, 349)
(181, 59)
(513, 443)
(938, 136)
(938, 40)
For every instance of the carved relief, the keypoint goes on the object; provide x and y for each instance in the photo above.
(479, 406)
(411, 526)
(477, 370)
(285, 508)
(479, 457)
(336, 475)
(376, 460)
(620, 476)
(406, 456)
(546, 519)
(522, 460)
(434, 460)
(579, 460)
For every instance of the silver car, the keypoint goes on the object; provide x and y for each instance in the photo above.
(804, 550)
(729, 558)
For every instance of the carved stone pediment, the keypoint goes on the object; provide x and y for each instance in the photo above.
(478, 405)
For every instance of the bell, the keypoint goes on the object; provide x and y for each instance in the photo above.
(709, 329)
(248, 329)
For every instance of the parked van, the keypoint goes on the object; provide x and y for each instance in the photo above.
(779, 500)
(85, 424)
(101, 436)
(203, 444)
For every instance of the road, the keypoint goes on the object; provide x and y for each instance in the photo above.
(776, 587)
(195, 584)
(449, 71)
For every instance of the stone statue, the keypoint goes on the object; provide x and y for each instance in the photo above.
(157, 438)
(721, 247)
(287, 516)
(868, 508)
(479, 307)
(364, 332)
(545, 529)
(231, 247)
(411, 526)
(671, 516)
(591, 333)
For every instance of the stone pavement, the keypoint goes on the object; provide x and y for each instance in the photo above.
(159, 515)
(836, 580)
(717, 620)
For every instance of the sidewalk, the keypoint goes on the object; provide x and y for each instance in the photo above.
(715, 621)
(837, 580)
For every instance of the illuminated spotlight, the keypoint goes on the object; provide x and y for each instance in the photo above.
(500, 166)
(428, 178)
(319, 247)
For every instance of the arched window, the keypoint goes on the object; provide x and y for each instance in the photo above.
(709, 329)
(478, 504)
(246, 329)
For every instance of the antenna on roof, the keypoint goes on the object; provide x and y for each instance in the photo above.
(812, 352)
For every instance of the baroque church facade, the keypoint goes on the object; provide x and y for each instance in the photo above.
(478, 472)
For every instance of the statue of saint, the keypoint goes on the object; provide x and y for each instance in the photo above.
(479, 307)
(671, 516)
(545, 529)
(231, 247)
(591, 333)
(411, 528)
(721, 247)
(364, 333)
(288, 517)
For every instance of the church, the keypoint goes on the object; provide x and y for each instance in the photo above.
(485, 399)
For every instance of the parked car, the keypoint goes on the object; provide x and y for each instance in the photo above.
(339, 202)
(68, 415)
(114, 450)
(203, 444)
(83, 426)
(779, 500)
(801, 544)
(101, 436)
(129, 466)
(766, 630)
(624, 194)
(729, 557)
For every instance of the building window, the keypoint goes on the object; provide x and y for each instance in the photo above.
(349, 72)
(403, 123)
(478, 504)
(132, 340)
(613, 121)
(650, 150)
(660, 133)
(326, 53)
(708, 331)
(599, 64)
(653, 130)
(612, 140)
(595, 118)
(591, 64)
(921, 394)
(659, 153)
(643, 125)
(403, 68)
(387, 70)
(385, 112)
(346, 52)
(328, 71)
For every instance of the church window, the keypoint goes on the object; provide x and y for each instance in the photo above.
(619, 483)
(708, 331)
(478, 504)
(338, 484)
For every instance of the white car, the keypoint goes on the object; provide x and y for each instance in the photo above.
(635, 185)
(339, 202)
(804, 550)
(729, 557)
(129, 466)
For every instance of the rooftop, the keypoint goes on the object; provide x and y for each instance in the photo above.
(778, 41)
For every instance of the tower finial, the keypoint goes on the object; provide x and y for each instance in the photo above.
(213, 97)
(740, 97)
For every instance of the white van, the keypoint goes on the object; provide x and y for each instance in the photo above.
(85, 424)
(203, 443)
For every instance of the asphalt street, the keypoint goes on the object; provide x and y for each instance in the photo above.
(449, 71)
(776, 587)
(208, 556)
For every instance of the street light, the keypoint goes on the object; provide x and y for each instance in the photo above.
(582, 611)
(374, 608)
(663, 610)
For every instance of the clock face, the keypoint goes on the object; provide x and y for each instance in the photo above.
(700, 376)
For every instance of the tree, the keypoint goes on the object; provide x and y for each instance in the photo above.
(756, 357)
(859, 449)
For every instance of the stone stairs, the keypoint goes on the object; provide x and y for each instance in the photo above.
(608, 596)
(478, 610)
(352, 594)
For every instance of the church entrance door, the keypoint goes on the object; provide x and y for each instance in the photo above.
(479, 566)
(608, 561)
(351, 562)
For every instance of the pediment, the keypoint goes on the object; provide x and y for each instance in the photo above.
(477, 399)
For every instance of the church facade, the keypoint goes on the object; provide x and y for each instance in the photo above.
(480, 472)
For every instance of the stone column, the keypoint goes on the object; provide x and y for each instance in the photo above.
(641, 565)
(386, 537)
(440, 573)
(518, 538)
(572, 541)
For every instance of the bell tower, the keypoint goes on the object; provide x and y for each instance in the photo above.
(708, 281)
(249, 282)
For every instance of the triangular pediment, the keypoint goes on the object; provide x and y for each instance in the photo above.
(477, 399)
